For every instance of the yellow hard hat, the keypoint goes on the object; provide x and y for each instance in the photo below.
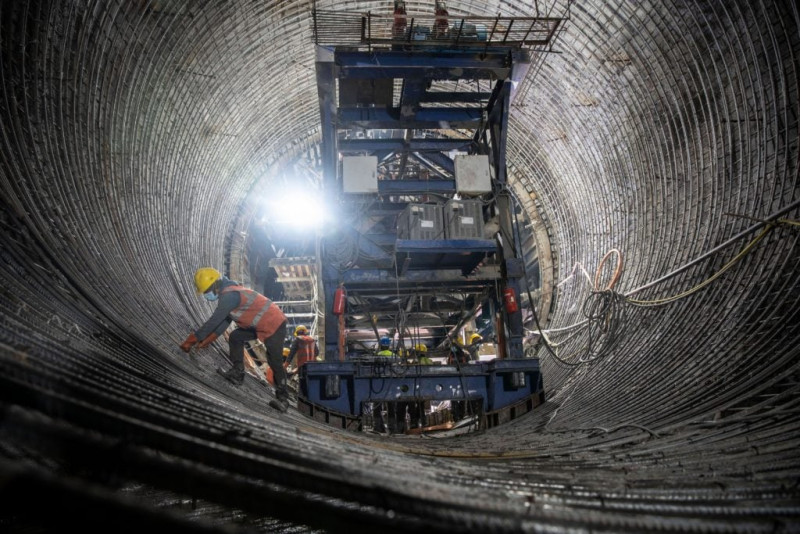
(301, 330)
(421, 348)
(205, 277)
(475, 337)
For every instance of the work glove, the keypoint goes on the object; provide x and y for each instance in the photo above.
(187, 345)
(212, 337)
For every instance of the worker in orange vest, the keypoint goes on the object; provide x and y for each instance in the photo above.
(440, 25)
(270, 376)
(256, 318)
(303, 346)
(400, 22)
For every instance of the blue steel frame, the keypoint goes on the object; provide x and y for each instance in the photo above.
(386, 271)
(343, 387)
(484, 113)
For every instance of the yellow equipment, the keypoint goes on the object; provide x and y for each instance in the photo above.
(204, 278)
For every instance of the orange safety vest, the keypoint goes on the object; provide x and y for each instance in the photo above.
(440, 24)
(305, 350)
(256, 311)
(399, 25)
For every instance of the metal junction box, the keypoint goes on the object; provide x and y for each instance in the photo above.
(360, 174)
(420, 221)
(463, 219)
(472, 174)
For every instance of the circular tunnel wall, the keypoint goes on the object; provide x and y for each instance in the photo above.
(662, 133)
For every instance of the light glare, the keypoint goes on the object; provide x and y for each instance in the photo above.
(301, 210)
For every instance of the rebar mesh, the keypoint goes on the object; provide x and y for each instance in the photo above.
(135, 138)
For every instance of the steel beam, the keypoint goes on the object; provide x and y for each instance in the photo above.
(410, 96)
(453, 97)
(423, 119)
(437, 158)
(326, 87)
(423, 65)
(398, 144)
(444, 246)
(388, 187)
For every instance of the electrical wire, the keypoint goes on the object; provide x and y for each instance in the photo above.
(602, 308)
(772, 219)
(617, 270)
(749, 247)
(606, 316)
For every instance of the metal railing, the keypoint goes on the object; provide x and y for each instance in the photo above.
(368, 29)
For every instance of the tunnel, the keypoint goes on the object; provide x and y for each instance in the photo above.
(655, 139)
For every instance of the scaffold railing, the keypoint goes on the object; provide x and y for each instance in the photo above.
(348, 28)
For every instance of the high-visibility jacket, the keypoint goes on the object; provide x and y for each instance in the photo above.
(255, 311)
(304, 348)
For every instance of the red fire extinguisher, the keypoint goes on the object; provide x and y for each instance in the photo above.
(510, 299)
(339, 301)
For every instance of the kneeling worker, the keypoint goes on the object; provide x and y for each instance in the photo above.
(303, 346)
(256, 317)
(474, 346)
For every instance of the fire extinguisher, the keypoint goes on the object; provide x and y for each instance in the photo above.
(510, 299)
(339, 301)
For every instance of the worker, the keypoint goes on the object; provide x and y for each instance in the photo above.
(400, 21)
(440, 24)
(256, 318)
(303, 346)
(422, 355)
(474, 346)
(458, 353)
(270, 376)
(384, 345)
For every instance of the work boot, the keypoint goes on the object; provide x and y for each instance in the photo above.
(234, 376)
(280, 405)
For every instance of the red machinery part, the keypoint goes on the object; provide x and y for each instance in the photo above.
(510, 300)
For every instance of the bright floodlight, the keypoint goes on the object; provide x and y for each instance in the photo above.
(297, 209)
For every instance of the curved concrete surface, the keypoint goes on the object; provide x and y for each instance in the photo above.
(132, 136)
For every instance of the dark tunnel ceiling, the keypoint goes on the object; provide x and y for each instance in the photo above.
(135, 136)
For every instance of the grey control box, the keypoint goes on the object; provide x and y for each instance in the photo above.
(420, 221)
(463, 219)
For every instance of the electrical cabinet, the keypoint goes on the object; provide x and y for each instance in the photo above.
(420, 221)
(463, 219)
(472, 174)
(360, 174)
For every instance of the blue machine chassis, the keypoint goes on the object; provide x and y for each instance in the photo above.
(335, 392)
